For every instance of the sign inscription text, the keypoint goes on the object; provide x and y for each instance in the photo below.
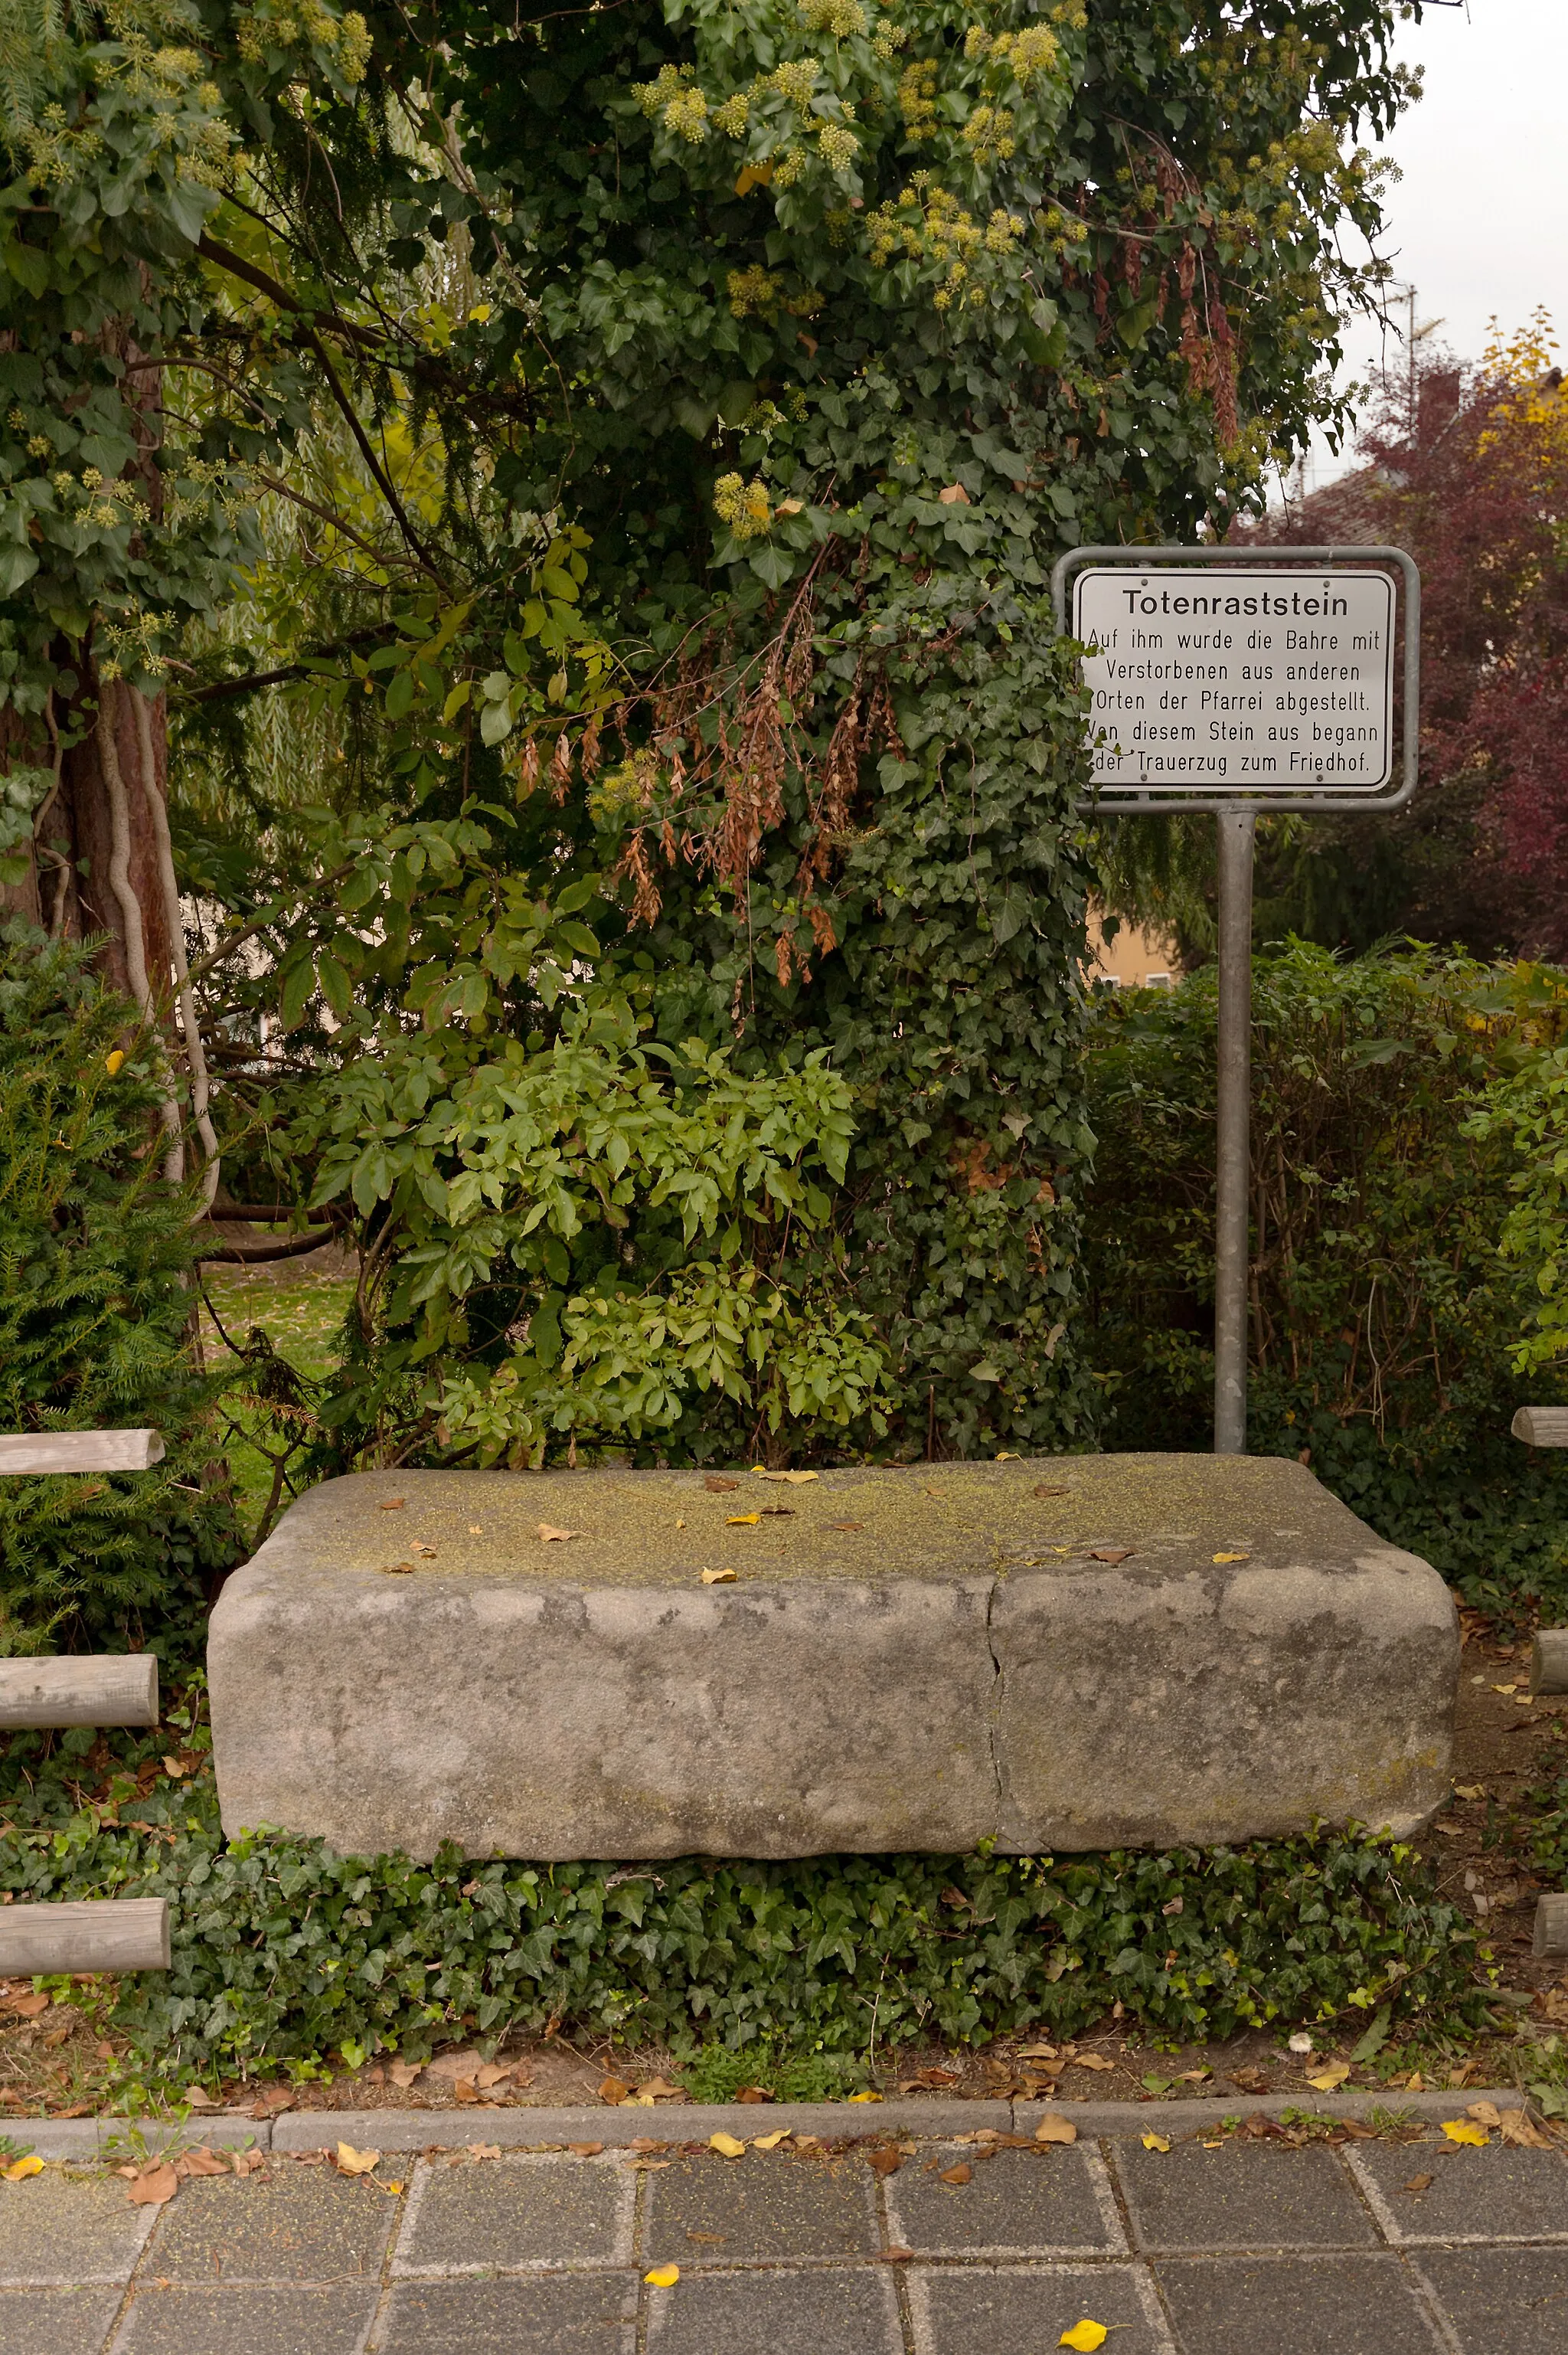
(1261, 681)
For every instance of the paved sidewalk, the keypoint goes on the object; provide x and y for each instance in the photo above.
(978, 2247)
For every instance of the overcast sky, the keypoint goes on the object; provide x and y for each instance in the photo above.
(1480, 220)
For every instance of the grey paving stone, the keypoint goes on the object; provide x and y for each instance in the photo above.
(553, 2313)
(850, 2311)
(304, 2224)
(56, 2321)
(1017, 2204)
(259, 2319)
(1243, 2196)
(713, 2210)
(1501, 2301)
(61, 2227)
(517, 2211)
(1345, 2305)
(1024, 2309)
(1496, 2194)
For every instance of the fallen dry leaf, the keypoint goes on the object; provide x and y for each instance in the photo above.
(1110, 1553)
(663, 2276)
(153, 2186)
(896, 2255)
(485, 2150)
(585, 2149)
(659, 2089)
(270, 2102)
(1469, 1790)
(1091, 2061)
(1042, 1489)
(1519, 2128)
(846, 1525)
(464, 2090)
(1419, 2183)
(796, 1479)
(426, 1553)
(718, 1578)
(21, 2169)
(391, 1504)
(727, 2146)
(770, 2141)
(202, 2162)
(1232, 1556)
(490, 2075)
(1330, 2077)
(1156, 2142)
(1053, 2128)
(741, 1521)
(716, 1486)
(403, 2072)
(1460, 2130)
(613, 2089)
(1485, 2114)
(27, 2006)
(754, 2094)
(551, 1537)
(1084, 2337)
(355, 2162)
(959, 2174)
(199, 2098)
(955, 495)
(885, 2162)
(1037, 2053)
(476, 1529)
(396, 1569)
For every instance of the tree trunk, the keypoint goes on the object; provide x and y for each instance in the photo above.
(82, 828)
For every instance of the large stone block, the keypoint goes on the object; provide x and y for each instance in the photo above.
(1066, 1653)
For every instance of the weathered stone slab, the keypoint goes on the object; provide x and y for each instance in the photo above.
(914, 1658)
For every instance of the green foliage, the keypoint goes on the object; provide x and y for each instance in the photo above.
(1528, 1115)
(95, 1257)
(285, 1954)
(1383, 1319)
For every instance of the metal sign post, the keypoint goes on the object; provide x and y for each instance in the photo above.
(1267, 682)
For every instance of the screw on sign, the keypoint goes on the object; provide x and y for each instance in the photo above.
(1232, 682)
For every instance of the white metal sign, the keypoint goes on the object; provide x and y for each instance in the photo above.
(1251, 682)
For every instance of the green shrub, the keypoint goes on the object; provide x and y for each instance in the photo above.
(284, 1952)
(95, 1258)
(1384, 1316)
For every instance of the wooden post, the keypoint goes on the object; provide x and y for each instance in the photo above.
(98, 1933)
(1542, 1426)
(1551, 1925)
(80, 1450)
(1549, 1660)
(103, 1689)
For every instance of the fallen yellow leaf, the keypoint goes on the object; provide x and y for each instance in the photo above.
(1461, 2130)
(1056, 2128)
(112, 1062)
(356, 2162)
(663, 2276)
(718, 1578)
(1330, 2077)
(1084, 2337)
(727, 2146)
(741, 1521)
(794, 1478)
(770, 2142)
(1469, 1791)
(20, 2169)
(1153, 2142)
(865, 2097)
(548, 1533)
(1232, 1556)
